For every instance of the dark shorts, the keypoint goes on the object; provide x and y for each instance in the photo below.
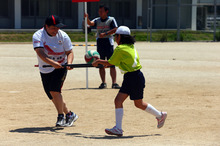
(53, 81)
(133, 85)
(104, 48)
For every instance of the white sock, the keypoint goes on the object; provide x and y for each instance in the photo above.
(150, 109)
(118, 117)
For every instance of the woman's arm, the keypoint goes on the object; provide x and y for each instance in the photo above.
(103, 62)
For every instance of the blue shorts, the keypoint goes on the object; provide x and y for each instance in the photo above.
(133, 85)
(104, 48)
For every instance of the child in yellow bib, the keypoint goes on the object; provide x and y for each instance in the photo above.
(125, 56)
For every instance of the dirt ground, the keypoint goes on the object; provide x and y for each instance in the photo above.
(181, 78)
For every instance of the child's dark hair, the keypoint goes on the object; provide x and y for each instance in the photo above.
(127, 39)
(104, 6)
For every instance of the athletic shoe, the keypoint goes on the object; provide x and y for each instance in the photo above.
(114, 131)
(103, 85)
(161, 120)
(70, 119)
(115, 86)
(60, 121)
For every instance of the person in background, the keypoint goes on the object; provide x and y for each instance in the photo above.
(106, 27)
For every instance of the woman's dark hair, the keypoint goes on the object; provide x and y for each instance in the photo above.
(127, 39)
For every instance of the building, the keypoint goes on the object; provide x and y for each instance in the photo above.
(30, 14)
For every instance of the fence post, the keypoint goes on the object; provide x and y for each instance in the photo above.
(178, 20)
(215, 9)
(148, 19)
(151, 19)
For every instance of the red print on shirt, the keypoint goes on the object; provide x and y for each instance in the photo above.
(50, 51)
(102, 27)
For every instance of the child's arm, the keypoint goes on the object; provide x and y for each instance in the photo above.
(103, 62)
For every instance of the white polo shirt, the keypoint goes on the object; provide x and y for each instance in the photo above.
(54, 47)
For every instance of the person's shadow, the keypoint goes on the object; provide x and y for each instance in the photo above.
(37, 130)
(84, 89)
(58, 131)
(110, 136)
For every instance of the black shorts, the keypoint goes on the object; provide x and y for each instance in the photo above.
(133, 85)
(53, 81)
(104, 48)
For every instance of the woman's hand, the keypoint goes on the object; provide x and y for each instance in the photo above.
(96, 63)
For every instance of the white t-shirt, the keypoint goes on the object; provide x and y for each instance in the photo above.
(54, 47)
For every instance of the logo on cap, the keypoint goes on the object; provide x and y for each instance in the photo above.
(54, 20)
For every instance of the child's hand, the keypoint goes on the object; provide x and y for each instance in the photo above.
(95, 63)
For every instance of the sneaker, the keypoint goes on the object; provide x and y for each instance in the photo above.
(114, 131)
(60, 121)
(115, 86)
(161, 120)
(70, 119)
(103, 85)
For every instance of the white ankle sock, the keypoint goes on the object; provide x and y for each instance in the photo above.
(150, 109)
(118, 117)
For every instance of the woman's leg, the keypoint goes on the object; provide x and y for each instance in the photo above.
(147, 107)
(120, 98)
(160, 116)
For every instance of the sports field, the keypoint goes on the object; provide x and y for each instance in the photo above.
(181, 78)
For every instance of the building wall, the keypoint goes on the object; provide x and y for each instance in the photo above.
(145, 14)
(124, 11)
(7, 14)
(165, 17)
(33, 13)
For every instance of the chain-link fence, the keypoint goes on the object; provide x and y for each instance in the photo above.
(183, 20)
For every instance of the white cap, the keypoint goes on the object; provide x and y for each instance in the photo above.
(123, 30)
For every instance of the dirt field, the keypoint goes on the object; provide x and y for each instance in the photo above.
(181, 78)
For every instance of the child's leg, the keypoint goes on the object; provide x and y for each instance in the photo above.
(120, 98)
(147, 107)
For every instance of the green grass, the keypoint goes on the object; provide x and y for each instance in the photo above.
(158, 36)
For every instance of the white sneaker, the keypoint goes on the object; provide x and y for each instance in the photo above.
(161, 120)
(70, 119)
(114, 131)
(60, 122)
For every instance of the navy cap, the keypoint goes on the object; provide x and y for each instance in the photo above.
(54, 20)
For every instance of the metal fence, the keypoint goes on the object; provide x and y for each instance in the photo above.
(192, 15)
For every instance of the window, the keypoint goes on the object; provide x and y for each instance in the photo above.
(34, 7)
(127, 10)
(65, 8)
(4, 8)
(27, 7)
(123, 9)
(42, 7)
(119, 9)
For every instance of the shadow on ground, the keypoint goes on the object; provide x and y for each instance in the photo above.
(86, 89)
(80, 89)
(58, 131)
(37, 129)
(111, 137)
